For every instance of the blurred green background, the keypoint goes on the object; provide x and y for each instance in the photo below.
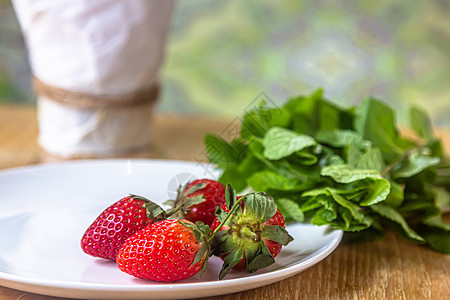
(223, 54)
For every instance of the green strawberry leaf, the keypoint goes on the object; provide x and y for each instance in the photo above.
(203, 228)
(230, 196)
(258, 257)
(154, 211)
(137, 197)
(260, 206)
(277, 234)
(169, 202)
(230, 261)
(250, 253)
(194, 188)
(221, 243)
(220, 214)
(204, 249)
(197, 234)
(259, 262)
(201, 233)
(191, 201)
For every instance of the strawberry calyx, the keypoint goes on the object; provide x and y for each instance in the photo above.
(185, 200)
(154, 211)
(203, 234)
(244, 231)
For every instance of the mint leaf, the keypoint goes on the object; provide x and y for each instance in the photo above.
(233, 176)
(219, 151)
(421, 123)
(396, 195)
(305, 112)
(348, 174)
(436, 221)
(329, 115)
(303, 157)
(441, 198)
(279, 142)
(290, 209)
(353, 208)
(375, 122)
(371, 159)
(266, 180)
(377, 191)
(340, 138)
(324, 217)
(348, 168)
(394, 216)
(414, 164)
(438, 240)
(352, 155)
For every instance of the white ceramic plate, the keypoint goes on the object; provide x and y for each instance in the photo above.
(45, 209)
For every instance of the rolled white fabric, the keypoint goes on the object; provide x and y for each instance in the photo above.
(102, 48)
(69, 132)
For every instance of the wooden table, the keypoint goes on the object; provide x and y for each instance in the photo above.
(390, 268)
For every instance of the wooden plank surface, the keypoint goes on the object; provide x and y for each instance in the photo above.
(390, 268)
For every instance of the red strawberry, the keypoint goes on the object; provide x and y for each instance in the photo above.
(199, 200)
(252, 236)
(116, 223)
(167, 251)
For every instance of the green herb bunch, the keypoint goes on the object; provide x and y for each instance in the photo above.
(350, 168)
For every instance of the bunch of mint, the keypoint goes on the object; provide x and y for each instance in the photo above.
(346, 168)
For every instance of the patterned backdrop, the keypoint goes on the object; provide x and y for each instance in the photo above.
(222, 54)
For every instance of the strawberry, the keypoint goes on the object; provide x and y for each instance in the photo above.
(115, 224)
(169, 250)
(252, 236)
(199, 200)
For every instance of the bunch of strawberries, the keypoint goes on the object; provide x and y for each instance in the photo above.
(247, 232)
